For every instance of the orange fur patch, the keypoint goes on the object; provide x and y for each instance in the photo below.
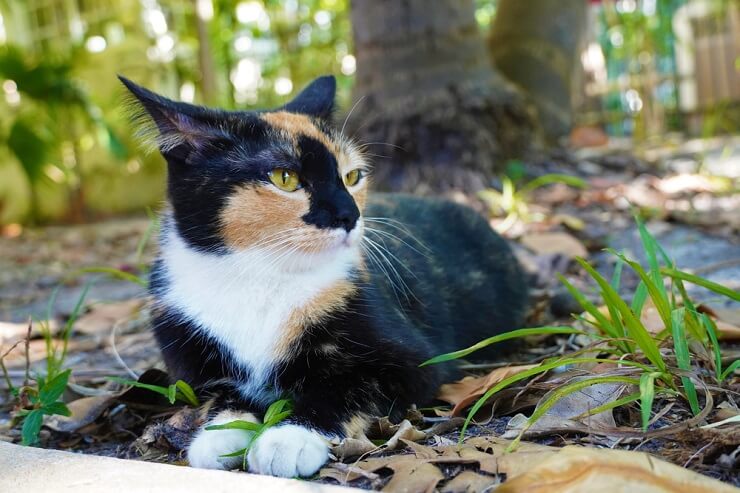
(313, 312)
(258, 214)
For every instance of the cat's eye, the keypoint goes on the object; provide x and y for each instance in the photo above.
(285, 179)
(353, 177)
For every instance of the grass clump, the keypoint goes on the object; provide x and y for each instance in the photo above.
(675, 361)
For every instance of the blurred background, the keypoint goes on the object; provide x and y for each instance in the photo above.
(449, 95)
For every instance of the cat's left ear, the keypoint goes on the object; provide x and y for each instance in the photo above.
(180, 127)
(316, 100)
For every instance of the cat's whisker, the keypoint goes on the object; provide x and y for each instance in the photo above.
(394, 237)
(374, 259)
(341, 132)
(384, 253)
(400, 227)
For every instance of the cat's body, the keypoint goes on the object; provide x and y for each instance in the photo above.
(315, 292)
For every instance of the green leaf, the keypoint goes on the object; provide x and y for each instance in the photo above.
(53, 389)
(610, 405)
(655, 289)
(238, 424)
(154, 388)
(115, 273)
(647, 396)
(602, 322)
(681, 348)
(57, 408)
(700, 281)
(499, 338)
(638, 300)
(32, 426)
(649, 244)
(172, 393)
(275, 419)
(186, 393)
(29, 147)
(634, 327)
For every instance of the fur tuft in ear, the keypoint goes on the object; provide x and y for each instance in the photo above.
(178, 127)
(316, 100)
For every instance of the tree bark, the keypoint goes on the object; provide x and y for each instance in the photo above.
(430, 106)
(536, 45)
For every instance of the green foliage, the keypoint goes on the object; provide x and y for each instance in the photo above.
(513, 203)
(623, 335)
(44, 399)
(277, 412)
(178, 391)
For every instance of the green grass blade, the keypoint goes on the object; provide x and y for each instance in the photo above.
(275, 408)
(238, 453)
(616, 281)
(647, 396)
(542, 368)
(550, 179)
(172, 393)
(610, 405)
(636, 330)
(564, 391)
(154, 388)
(712, 331)
(700, 281)
(656, 290)
(186, 393)
(115, 273)
(681, 348)
(604, 323)
(639, 298)
(238, 424)
(276, 418)
(500, 338)
(649, 244)
(730, 370)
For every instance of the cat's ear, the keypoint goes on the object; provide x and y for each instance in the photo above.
(316, 100)
(180, 127)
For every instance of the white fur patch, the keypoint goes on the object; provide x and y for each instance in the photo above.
(207, 446)
(288, 451)
(243, 299)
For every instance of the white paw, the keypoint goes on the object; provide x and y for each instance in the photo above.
(288, 451)
(207, 447)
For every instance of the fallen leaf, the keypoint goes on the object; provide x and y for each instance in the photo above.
(727, 321)
(469, 482)
(84, 411)
(102, 317)
(554, 243)
(581, 469)
(463, 393)
(411, 477)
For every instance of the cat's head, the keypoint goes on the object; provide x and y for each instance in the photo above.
(275, 180)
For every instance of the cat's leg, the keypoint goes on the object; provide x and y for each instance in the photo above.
(208, 446)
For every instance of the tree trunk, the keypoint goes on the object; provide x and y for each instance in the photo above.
(536, 45)
(434, 112)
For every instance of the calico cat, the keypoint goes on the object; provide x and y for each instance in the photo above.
(280, 276)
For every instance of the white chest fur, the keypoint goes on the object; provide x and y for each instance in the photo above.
(244, 299)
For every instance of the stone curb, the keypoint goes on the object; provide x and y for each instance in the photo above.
(38, 470)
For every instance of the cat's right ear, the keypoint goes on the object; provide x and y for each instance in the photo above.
(179, 128)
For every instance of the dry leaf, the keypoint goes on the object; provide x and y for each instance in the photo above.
(726, 319)
(469, 482)
(84, 411)
(587, 470)
(411, 477)
(102, 317)
(554, 242)
(463, 393)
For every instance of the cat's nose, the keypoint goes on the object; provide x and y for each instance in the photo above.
(346, 218)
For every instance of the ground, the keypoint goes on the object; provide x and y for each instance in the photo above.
(687, 190)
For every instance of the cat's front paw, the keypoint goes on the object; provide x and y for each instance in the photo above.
(207, 447)
(288, 451)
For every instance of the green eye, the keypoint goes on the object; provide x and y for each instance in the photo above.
(351, 178)
(285, 179)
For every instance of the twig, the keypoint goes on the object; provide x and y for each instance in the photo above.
(27, 374)
(131, 372)
(698, 452)
(699, 271)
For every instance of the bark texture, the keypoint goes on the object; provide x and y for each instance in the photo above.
(431, 108)
(536, 45)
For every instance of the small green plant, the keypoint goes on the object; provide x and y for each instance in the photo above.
(44, 401)
(513, 203)
(666, 363)
(42, 397)
(178, 391)
(277, 412)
